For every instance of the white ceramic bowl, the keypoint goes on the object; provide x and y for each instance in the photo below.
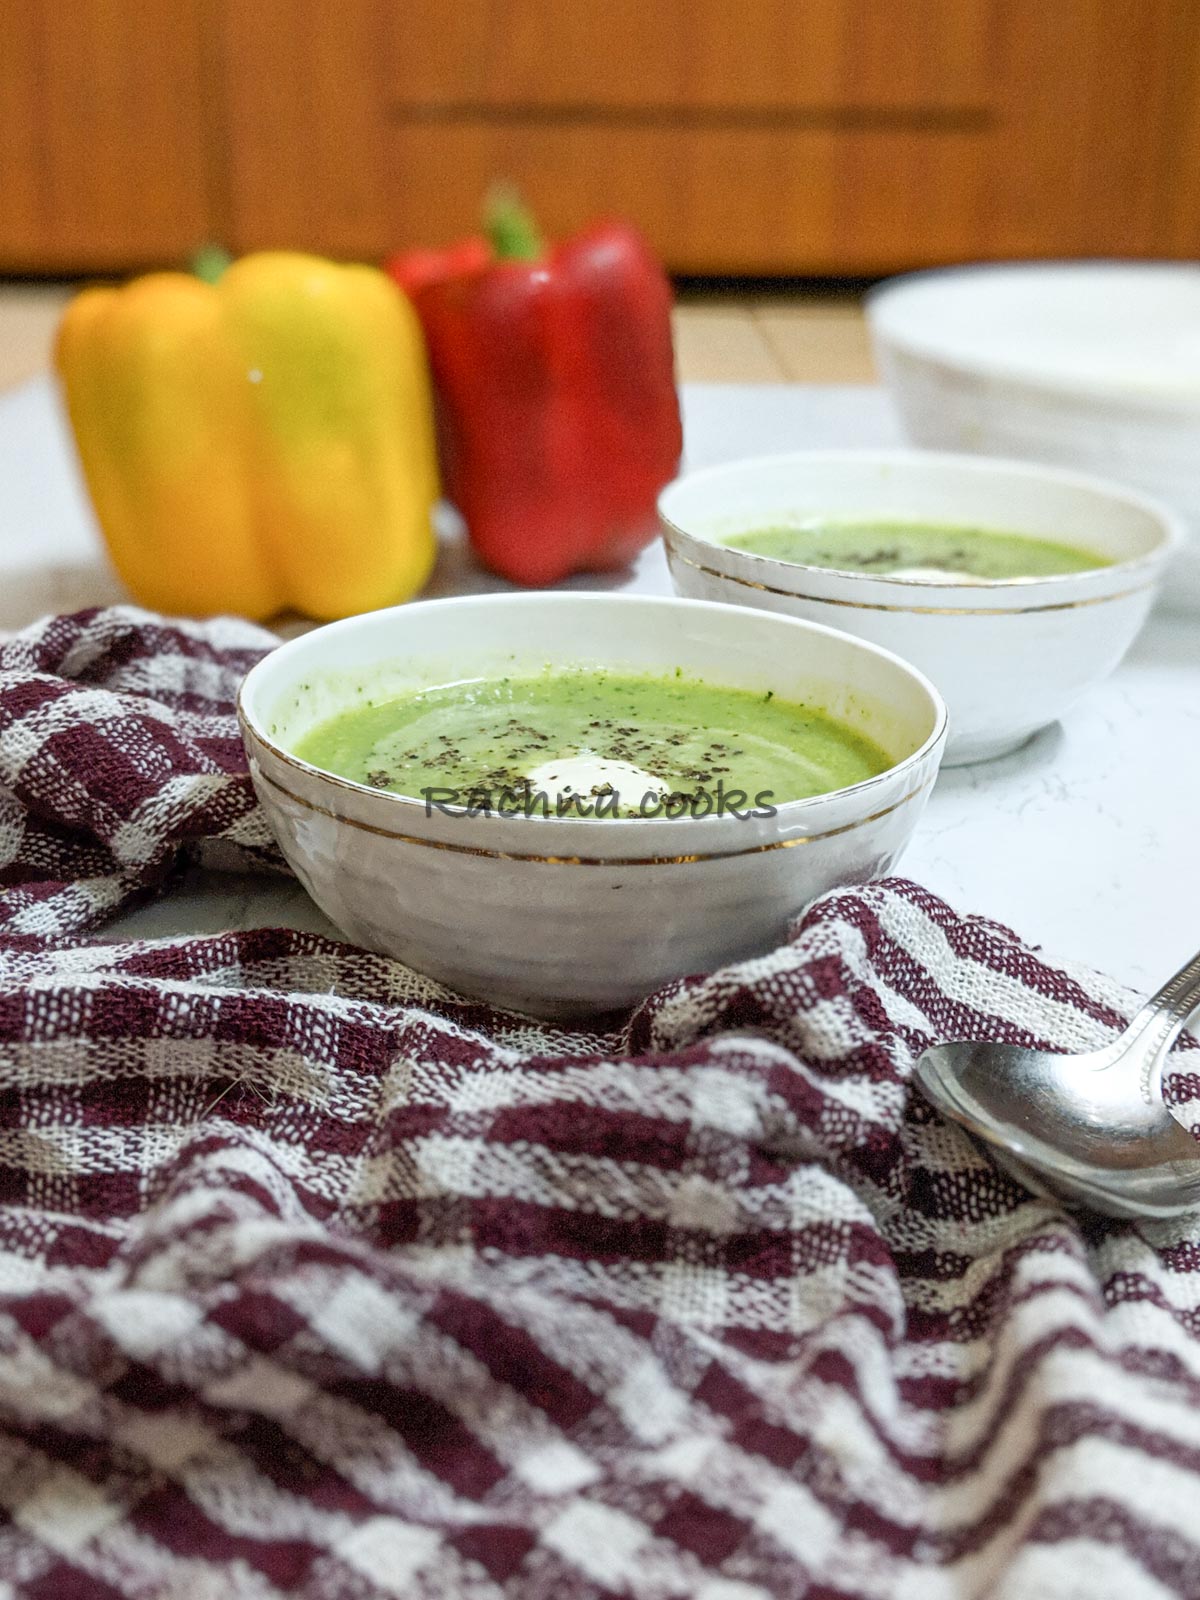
(1009, 656)
(558, 916)
(1091, 365)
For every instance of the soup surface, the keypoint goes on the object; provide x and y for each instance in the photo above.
(620, 745)
(916, 549)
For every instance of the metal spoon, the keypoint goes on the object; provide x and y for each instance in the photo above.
(1090, 1130)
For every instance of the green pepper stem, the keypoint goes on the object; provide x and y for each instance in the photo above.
(509, 226)
(210, 263)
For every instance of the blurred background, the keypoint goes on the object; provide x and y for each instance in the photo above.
(778, 153)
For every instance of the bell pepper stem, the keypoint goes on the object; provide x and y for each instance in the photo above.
(509, 226)
(210, 262)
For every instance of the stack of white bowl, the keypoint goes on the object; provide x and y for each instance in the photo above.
(1088, 365)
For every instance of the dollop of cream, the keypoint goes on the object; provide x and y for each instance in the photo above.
(585, 773)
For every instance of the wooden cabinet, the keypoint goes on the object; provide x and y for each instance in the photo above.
(745, 136)
(104, 139)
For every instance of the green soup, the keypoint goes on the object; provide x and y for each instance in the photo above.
(609, 740)
(886, 546)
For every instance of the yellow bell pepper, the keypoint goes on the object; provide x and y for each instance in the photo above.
(258, 444)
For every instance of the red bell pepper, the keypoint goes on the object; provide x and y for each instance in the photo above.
(558, 415)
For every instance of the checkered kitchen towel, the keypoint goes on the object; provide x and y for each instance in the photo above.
(317, 1280)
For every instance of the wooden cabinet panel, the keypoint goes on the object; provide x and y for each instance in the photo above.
(788, 56)
(1181, 186)
(720, 200)
(779, 136)
(1080, 156)
(102, 133)
(307, 128)
(769, 136)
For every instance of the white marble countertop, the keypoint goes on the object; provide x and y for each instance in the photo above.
(1084, 842)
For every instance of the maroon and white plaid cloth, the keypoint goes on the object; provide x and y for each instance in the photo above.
(317, 1280)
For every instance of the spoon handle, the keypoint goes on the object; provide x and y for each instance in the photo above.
(1159, 1023)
